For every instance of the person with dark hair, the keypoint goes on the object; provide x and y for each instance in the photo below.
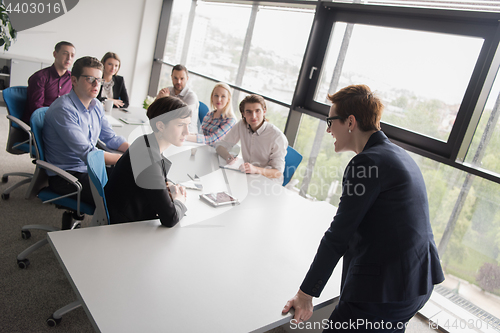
(51, 82)
(72, 126)
(113, 86)
(181, 90)
(263, 145)
(138, 188)
(381, 228)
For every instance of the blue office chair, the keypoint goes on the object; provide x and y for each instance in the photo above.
(75, 209)
(292, 161)
(202, 112)
(19, 140)
(98, 179)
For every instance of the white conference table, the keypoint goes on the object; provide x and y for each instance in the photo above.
(226, 269)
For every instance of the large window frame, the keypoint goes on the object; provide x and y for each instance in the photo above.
(484, 25)
(473, 24)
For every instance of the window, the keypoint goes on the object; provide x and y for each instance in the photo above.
(469, 207)
(420, 76)
(427, 66)
(278, 44)
(483, 151)
(241, 44)
(176, 31)
(214, 47)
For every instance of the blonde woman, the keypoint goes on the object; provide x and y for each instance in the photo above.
(218, 122)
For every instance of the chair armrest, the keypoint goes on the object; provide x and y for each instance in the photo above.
(20, 123)
(67, 176)
(101, 145)
(60, 172)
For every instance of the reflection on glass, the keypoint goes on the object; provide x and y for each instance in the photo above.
(483, 151)
(420, 76)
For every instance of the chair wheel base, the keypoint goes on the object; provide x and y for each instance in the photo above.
(5, 179)
(25, 234)
(23, 263)
(5, 196)
(52, 322)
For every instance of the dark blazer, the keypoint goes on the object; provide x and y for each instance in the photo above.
(119, 91)
(381, 229)
(136, 189)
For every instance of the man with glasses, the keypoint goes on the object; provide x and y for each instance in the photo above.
(74, 123)
(49, 83)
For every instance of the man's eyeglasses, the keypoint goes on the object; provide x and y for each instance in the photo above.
(91, 79)
(330, 119)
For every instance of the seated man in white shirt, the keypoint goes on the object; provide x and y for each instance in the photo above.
(180, 89)
(263, 145)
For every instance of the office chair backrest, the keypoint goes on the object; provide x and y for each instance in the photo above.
(15, 99)
(18, 141)
(37, 119)
(292, 161)
(99, 178)
(202, 112)
(39, 184)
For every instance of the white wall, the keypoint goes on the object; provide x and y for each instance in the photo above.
(95, 27)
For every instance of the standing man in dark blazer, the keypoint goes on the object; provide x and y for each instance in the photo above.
(381, 228)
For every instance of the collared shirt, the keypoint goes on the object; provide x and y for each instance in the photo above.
(44, 87)
(214, 129)
(189, 97)
(265, 148)
(70, 132)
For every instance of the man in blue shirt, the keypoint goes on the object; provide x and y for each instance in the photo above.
(74, 123)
